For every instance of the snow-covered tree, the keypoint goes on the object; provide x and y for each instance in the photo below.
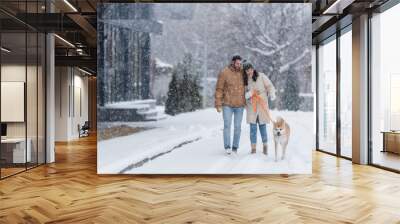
(184, 92)
(274, 37)
(197, 99)
(171, 105)
(277, 38)
(291, 99)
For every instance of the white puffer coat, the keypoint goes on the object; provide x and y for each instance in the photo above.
(266, 89)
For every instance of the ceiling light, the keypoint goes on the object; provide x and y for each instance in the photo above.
(79, 51)
(65, 41)
(84, 71)
(70, 5)
(5, 50)
(337, 4)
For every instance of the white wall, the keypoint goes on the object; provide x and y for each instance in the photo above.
(70, 84)
(79, 117)
(13, 72)
(13, 101)
(61, 103)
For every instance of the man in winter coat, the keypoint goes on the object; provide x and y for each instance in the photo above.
(230, 99)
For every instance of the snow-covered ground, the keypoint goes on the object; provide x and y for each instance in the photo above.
(191, 143)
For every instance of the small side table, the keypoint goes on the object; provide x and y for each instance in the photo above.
(391, 141)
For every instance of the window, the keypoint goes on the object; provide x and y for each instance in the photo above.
(22, 77)
(346, 93)
(327, 96)
(385, 89)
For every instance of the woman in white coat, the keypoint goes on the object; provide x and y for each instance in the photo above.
(258, 88)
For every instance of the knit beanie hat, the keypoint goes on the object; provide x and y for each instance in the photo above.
(247, 65)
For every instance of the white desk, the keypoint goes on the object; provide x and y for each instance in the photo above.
(18, 149)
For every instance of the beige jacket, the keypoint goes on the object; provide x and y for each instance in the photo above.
(230, 88)
(265, 87)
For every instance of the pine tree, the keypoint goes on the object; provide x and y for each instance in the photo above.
(197, 99)
(191, 79)
(184, 89)
(186, 93)
(171, 105)
(291, 99)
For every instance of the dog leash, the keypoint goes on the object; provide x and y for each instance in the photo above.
(255, 99)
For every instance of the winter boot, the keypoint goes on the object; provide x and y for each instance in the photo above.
(253, 148)
(234, 149)
(265, 149)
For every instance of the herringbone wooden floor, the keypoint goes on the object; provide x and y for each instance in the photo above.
(70, 191)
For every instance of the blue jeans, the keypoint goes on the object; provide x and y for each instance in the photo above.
(227, 113)
(253, 132)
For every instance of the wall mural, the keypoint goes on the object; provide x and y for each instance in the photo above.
(190, 88)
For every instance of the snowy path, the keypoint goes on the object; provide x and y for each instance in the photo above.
(206, 154)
